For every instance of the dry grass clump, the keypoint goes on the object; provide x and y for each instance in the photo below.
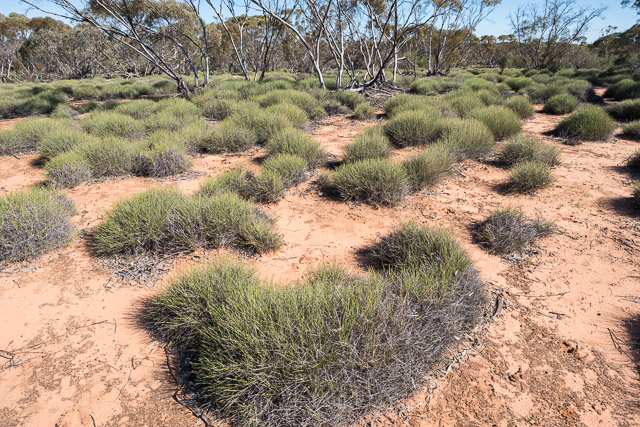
(636, 193)
(508, 230)
(138, 109)
(464, 103)
(429, 166)
(411, 128)
(466, 138)
(624, 89)
(625, 111)
(291, 169)
(561, 104)
(295, 142)
(229, 137)
(26, 135)
(263, 124)
(161, 158)
(520, 105)
(60, 140)
(374, 181)
(109, 123)
(164, 220)
(525, 148)
(633, 162)
(268, 187)
(63, 111)
(590, 123)
(108, 157)
(372, 144)
(364, 111)
(530, 176)
(327, 351)
(349, 99)
(296, 115)
(235, 180)
(298, 98)
(402, 103)
(501, 121)
(67, 170)
(632, 130)
(519, 83)
(33, 222)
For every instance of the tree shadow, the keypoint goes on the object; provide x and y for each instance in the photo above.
(632, 326)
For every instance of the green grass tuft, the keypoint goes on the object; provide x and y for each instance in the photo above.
(530, 176)
(520, 105)
(372, 144)
(561, 104)
(429, 166)
(589, 123)
(295, 142)
(411, 128)
(374, 181)
(632, 130)
(501, 121)
(525, 148)
(466, 138)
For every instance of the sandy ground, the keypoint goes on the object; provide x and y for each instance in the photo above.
(562, 350)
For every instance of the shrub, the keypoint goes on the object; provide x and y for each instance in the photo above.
(489, 97)
(164, 221)
(107, 157)
(561, 104)
(295, 115)
(108, 123)
(401, 103)
(624, 89)
(589, 122)
(298, 98)
(581, 89)
(542, 93)
(268, 187)
(374, 181)
(67, 170)
(429, 166)
(161, 159)
(193, 136)
(476, 84)
(501, 121)
(138, 109)
(520, 105)
(428, 86)
(33, 222)
(466, 138)
(372, 144)
(625, 111)
(218, 109)
(235, 180)
(527, 148)
(295, 142)
(364, 111)
(26, 135)
(349, 99)
(165, 120)
(414, 127)
(519, 83)
(61, 140)
(508, 230)
(291, 169)
(632, 130)
(530, 176)
(263, 124)
(229, 137)
(63, 111)
(325, 352)
(464, 103)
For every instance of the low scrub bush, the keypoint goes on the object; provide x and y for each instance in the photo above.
(412, 128)
(530, 176)
(138, 109)
(519, 83)
(527, 148)
(429, 166)
(229, 137)
(161, 159)
(61, 140)
(295, 142)
(328, 351)
(291, 169)
(296, 115)
(508, 230)
(624, 89)
(349, 99)
(632, 130)
(561, 104)
(520, 105)
(26, 135)
(364, 111)
(372, 144)
(590, 123)
(108, 123)
(67, 170)
(625, 111)
(466, 138)
(164, 220)
(235, 180)
(374, 181)
(108, 157)
(33, 222)
(464, 103)
(501, 121)
(268, 187)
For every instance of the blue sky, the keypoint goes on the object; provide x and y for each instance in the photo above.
(496, 24)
